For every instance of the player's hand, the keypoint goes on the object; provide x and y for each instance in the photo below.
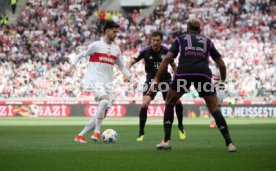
(70, 71)
(126, 79)
(153, 87)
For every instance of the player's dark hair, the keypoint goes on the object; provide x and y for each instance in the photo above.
(193, 26)
(157, 33)
(109, 24)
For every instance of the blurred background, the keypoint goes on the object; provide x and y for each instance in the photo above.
(37, 38)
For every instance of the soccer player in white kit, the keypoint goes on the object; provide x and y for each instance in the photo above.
(219, 89)
(102, 55)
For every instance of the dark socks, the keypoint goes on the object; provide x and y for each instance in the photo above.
(168, 121)
(143, 118)
(222, 126)
(179, 114)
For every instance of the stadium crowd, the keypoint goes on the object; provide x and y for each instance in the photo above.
(35, 52)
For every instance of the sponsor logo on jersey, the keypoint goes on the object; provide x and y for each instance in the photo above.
(106, 59)
(103, 58)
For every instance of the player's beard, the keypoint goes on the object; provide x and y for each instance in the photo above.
(112, 38)
(156, 47)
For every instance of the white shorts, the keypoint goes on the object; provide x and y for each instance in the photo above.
(220, 96)
(100, 89)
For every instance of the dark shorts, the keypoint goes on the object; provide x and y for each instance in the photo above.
(162, 88)
(202, 83)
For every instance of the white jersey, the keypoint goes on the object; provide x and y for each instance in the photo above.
(102, 57)
(215, 74)
(216, 79)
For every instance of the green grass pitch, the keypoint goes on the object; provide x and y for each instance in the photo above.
(38, 144)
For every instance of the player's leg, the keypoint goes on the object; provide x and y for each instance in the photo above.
(212, 105)
(101, 96)
(103, 102)
(95, 122)
(178, 87)
(110, 99)
(88, 127)
(104, 105)
(172, 97)
(91, 124)
(143, 117)
(220, 96)
(105, 94)
(144, 110)
(207, 90)
(179, 114)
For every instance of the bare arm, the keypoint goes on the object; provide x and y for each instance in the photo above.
(173, 65)
(222, 68)
(130, 64)
(163, 66)
(74, 60)
(122, 66)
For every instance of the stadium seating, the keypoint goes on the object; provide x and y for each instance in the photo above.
(37, 49)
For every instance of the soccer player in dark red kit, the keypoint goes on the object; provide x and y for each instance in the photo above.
(193, 68)
(153, 56)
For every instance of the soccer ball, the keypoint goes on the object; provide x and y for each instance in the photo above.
(109, 136)
(34, 110)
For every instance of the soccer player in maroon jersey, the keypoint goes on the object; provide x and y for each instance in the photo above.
(193, 68)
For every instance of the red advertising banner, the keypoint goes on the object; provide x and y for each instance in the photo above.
(122, 110)
(35, 110)
(92, 101)
(114, 111)
(53, 110)
(7, 110)
(156, 110)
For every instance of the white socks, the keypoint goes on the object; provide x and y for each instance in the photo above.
(97, 120)
(88, 127)
(100, 114)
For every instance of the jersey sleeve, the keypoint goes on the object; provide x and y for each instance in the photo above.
(121, 65)
(214, 53)
(87, 52)
(140, 56)
(90, 49)
(175, 47)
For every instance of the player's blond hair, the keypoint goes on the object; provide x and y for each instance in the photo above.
(194, 25)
